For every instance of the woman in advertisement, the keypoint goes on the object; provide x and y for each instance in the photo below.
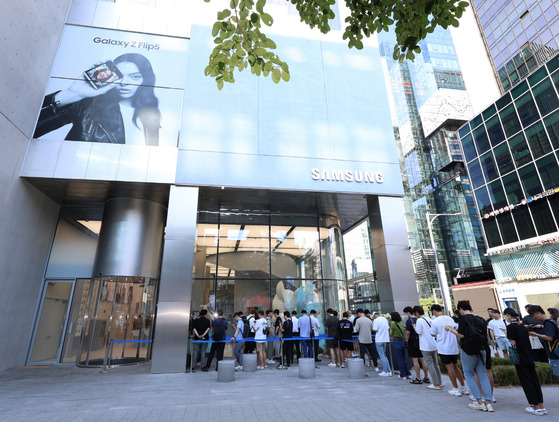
(114, 103)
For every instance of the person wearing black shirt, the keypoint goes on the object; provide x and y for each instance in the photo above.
(218, 346)
(200, 331)
(526, 369)
(345, 333)
(287, 330)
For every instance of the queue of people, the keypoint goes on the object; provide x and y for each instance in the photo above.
(424, 339)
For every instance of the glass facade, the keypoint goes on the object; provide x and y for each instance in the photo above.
(432, 164)
(517, 203)
(520, 36)
(246, 261)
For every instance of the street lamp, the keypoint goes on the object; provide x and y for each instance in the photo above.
(446, 299)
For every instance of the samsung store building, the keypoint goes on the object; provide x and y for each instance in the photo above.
(174, 196)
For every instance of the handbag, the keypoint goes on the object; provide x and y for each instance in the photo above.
(514, 356)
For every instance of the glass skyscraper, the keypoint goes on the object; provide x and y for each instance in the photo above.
(428, 104)
(519, 35)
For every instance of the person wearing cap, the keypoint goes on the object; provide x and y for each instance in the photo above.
(550, 336)
(382, 340)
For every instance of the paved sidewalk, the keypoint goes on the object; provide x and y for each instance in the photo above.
(68, 393)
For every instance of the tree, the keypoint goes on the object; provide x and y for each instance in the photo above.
(241, 44)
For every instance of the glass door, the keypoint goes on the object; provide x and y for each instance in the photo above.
(49, 335)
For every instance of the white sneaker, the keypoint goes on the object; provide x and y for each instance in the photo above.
(455, 392)
(472, 398)
(238, 368)
(478, 406)
(331, 364)
(489, 408)
(343, 366)
(270, 361)
(385, 374)
(464, 391)
(433, 387)
(376, 369)
(493, 399)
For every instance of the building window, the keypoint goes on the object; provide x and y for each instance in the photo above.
(488, 166)
(483, 201)
(552, 126)
(510, 120)
(474, 170)
(506, 226)
(482, 141)
(503, 158)
(492, 233)
(542, 217)
(530, 180)
(537, 139)
(519, 149)
(527, 109)
(549, 171)
(523, 223)
(495, 131)
(512, 188)
(546, 97)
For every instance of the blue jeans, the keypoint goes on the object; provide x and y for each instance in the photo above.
(238, 352)
(307, 348)
(471, 363)
(381, 349)
(401, 355)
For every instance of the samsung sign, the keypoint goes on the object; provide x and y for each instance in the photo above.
(347, 176)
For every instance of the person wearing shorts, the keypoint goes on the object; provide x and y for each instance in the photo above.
(260, 333)
(332, 331)
(412, 342)
(345, 333)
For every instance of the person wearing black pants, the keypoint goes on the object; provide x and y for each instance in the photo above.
(525, 369)
(287, 330)
(218, 346)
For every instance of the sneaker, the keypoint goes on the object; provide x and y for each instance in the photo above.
(331, 364)
(489, 408)
(538, 412)
(259, 367)
(544, 411)
(433, 387)
(464, 390)
(270, 361)
(455, 392)
(376, 368)
(493, 399)
(205, 369)
(402, 378)
(385, 374)
(238, 368)
(478, 406)
(409, 377)
(472, 398)
(368, 365)
(343, 366)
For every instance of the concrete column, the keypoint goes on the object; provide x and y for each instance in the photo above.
(175, 287)
(393, 262)
(226, 371)
(307, 368)
(249, 362)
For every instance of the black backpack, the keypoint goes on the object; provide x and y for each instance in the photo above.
(246, 328)
(474, 340)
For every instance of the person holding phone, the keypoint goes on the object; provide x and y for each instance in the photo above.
(123, 112)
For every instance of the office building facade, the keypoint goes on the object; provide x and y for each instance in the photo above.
(511, 151)
(519, 36)
(130, 205)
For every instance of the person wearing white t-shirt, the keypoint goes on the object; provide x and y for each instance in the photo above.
(498, 332)
(447, 346)
(382, 339)
(428, 347)
(261, 333)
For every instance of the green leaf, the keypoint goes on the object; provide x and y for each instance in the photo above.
(276, 75)
(267, 19)
(285, 76)
(260, 6)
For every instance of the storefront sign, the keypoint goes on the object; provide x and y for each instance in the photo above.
(525, 201)
(347, 176)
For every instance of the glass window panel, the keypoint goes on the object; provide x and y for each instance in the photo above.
(244, 246)
(495, 131)
(553, 64)
(469, 148)
(503, 101)
(523, 222)
(295, 247)
(482, 140)
(537, 139)
(207, 234)
(490, 111)
(503, 158)
(530, 180)
(537, 76)
(520, 89)
(498, 198)
(474, 170)
(492, 233)
(203, 294)
(512, 188)
(527, 110)
(549, 171)
(506, 227)
(476, 121)
(240, 294)
(542, 217)
(554, 203)
(483, 201)
(357, 250)
(519, 150)
(555, 78)
(464, 130)
(552, 126)
(510, 120)
(546, 97)
(488, 166)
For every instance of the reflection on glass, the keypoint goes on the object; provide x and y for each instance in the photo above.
(75, 323)
(357, 248)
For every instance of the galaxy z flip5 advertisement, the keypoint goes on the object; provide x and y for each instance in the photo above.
(115, 87)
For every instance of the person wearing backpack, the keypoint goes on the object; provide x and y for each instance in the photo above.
(238, 337)
(550, 338)
(472, 332)
(250, 345)
(218, 346)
